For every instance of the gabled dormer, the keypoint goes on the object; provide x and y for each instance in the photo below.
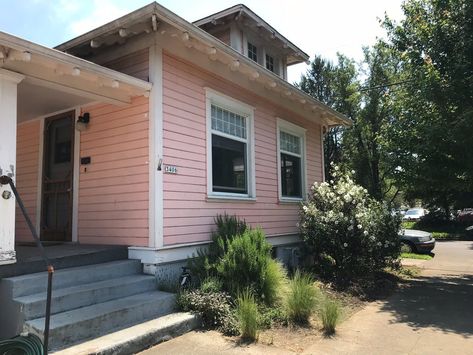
(249, 34)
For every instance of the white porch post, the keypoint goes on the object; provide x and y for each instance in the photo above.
(8, 121)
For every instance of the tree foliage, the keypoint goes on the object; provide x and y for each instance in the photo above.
(434, 122)
(335, 85)
(411, 102)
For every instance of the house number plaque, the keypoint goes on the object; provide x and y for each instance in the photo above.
(170, 169)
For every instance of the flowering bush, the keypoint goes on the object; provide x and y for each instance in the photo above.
(348, 234)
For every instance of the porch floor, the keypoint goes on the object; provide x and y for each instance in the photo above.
(62, 256)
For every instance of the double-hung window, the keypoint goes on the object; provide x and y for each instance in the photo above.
(269, 62)
(230, 165)
(252, 52)
(291, 161)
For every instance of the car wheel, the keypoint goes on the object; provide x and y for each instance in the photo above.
(408, 248)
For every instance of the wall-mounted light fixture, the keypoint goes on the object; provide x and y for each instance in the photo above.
(83, 122)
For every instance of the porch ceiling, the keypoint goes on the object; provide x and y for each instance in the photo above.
(55, 80)
(35, 100)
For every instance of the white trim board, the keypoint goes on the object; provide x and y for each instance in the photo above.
(243, 109)
(156, 208)
(181, 252)
(75, 181)
(286, 126)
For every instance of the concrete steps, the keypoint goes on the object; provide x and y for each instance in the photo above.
(87, 301)
(33, 306)
(84, 323)
(36, 283)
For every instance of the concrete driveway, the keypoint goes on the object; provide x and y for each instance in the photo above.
(432, 314)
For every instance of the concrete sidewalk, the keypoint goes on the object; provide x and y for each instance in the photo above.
(432, 314)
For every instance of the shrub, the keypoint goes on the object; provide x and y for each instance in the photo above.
(301, 299)
(329, 314)
(214, 308)
(211, 285)
(270, 315)
(248, 264)
(346, 231)
(204, 263)
(275, 281)
(247, 313)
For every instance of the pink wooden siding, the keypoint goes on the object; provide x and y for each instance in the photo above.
(134, 64)
(27, 165)
(113, 189)
(188, 216)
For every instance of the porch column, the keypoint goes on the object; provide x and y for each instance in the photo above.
(8, 121)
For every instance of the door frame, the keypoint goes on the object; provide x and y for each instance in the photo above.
(75, 171)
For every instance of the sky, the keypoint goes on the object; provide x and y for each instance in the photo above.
(322, 27)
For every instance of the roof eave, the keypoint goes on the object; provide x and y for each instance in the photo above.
(109, 27)
(20, 44)
(185, 26)
(240, 7)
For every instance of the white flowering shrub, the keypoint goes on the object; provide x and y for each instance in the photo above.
(347, 234)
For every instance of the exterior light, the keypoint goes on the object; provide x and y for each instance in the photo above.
(83, 122)
(6, 194)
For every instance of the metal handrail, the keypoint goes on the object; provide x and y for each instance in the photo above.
(7, 180)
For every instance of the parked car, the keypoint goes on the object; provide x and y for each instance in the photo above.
(414, 214)
(417, 241)
(465, 215)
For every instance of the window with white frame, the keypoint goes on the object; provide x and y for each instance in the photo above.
(252, 52)
(230, 151)
(269, 62)
(291, 159)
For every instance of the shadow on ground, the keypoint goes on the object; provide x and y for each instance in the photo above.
(442, 302)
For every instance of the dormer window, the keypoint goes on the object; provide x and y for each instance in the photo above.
(252, 52)
(269, 63)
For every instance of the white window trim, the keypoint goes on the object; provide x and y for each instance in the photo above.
(226, 102)
(298, 131)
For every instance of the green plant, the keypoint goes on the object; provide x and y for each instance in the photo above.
(211, 284)
(248, 264)
(204, 263)
(269, 315)
(275, 282)
(346, 231)
(330, 315)
(301, 299)
(415, 256)
(214, 308)
(248, 315)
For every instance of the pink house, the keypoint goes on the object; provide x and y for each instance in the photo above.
(140, 132)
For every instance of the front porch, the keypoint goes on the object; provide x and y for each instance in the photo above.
(62, 256)
(37, 83)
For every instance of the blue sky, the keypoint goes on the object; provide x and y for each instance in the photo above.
(316, 26)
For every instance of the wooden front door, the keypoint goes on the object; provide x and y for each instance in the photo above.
(56, 208)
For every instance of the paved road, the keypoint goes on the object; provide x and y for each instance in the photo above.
(433, 314)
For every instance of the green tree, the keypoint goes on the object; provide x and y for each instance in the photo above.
(336, 86)
(433, 130)
(367, 145)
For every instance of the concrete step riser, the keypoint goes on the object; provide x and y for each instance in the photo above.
(37, 283)
(88, 297)
(103, 324)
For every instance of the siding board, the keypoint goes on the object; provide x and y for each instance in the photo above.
(27, 165)
(188, 214)
(113, 188)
